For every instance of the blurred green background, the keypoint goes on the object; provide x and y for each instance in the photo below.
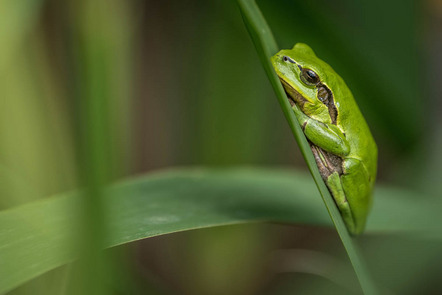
(181, 84)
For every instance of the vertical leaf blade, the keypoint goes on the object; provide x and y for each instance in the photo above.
(266, 46)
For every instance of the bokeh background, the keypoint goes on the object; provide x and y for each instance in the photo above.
(183, 86)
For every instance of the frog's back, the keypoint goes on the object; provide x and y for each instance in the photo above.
(361, 161)
(358, 134)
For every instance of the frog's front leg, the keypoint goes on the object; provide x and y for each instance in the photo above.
(326, 136)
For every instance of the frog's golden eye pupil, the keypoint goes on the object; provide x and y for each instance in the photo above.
(309, 77)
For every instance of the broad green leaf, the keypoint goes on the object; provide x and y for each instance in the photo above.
(37, 237)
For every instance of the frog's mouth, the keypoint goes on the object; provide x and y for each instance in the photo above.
(290, 99)
(293, 95)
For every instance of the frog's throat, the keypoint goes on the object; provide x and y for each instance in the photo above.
(293, 95)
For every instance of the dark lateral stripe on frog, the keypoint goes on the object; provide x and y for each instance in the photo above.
(326, 96)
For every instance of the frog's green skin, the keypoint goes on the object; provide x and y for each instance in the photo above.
(344, 149)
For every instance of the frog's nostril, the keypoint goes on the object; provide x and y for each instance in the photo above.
(286, 58)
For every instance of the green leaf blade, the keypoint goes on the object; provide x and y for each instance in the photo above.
(37, 237)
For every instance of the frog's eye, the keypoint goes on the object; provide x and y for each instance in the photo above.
(309, 77)
(286, 58)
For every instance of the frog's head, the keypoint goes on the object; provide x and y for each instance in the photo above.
(305, 77)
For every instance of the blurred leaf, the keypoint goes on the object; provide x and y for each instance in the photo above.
(36, 237)
(100, 31)
(14, 25)
(34, 146)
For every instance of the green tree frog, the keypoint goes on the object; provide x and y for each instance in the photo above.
(341, 142)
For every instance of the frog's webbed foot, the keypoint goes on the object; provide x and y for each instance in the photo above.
(334, 184)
